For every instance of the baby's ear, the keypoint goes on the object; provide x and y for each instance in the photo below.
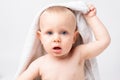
(38, 33)
(75, 36)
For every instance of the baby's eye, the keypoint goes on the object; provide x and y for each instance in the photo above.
(64, 32)
(49, 33)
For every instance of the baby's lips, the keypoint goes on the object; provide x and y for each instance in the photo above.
(56, 48)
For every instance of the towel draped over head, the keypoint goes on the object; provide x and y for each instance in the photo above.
(33, 48)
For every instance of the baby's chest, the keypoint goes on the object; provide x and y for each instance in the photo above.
(62, 72)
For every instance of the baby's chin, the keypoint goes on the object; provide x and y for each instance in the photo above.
(61, 56)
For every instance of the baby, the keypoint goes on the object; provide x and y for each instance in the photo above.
(58, 33)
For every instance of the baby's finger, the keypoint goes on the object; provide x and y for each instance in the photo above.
(91, 7)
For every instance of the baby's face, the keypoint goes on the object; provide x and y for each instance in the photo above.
(57, 33)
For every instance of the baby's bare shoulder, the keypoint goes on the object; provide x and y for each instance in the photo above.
(40, 59)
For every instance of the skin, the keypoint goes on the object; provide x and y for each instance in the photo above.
(57, 33)
(64, 63)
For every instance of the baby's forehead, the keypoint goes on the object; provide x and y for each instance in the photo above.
(63, 12)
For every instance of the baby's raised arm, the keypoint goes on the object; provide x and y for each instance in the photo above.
(102, 38)
(31, 72)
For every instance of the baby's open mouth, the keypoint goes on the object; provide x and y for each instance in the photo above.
(57, 49)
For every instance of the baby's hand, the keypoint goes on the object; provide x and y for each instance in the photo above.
(91, 12)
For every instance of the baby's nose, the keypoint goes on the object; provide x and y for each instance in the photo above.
(57, 38)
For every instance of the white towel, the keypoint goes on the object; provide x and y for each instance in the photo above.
(33, 48)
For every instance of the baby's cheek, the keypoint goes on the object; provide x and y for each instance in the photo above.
(69, 44)
(46, 39)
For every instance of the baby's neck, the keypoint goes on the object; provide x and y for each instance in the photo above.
(61, 58)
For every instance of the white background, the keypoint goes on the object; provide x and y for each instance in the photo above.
(16, 17)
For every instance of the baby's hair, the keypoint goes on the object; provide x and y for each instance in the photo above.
(59, 9)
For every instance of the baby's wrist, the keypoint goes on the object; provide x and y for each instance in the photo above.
(89, 18)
